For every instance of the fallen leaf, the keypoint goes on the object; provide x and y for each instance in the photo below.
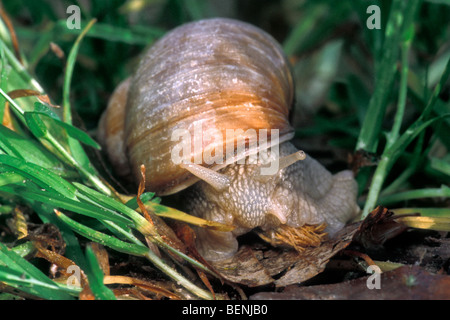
(313, 260)
(262, 265)
(378, 227)
(244, 268)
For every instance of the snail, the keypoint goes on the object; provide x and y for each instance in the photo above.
(233, 79)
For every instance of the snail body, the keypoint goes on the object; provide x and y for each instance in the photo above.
(220, 75)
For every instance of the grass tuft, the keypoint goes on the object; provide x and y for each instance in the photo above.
(385, 91)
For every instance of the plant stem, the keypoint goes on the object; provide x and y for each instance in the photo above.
(19, 68)
(368, 138)
(67, 112)
(375, 186)
(134, 249)
(387, 160)
(382, 170)
(98, 184)
(177, 277)
(417, 159)
(12, 102)
(443, 191)
(401, 104)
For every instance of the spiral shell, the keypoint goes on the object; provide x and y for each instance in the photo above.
(222, 73)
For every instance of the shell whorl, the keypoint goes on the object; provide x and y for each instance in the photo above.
(225, 73)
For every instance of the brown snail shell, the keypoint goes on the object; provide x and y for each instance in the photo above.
(224, 74)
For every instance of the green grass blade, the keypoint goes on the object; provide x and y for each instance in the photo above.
(71, 131)
(84, 167)
(443, 191)
(30, 150)
(401, 11)
(22, 274)
(437, 90)
(67, 112)
(15, 107)
(95, 276)
(35, 124)
(139, 35)
(10, 178)
(42, 108)
(121, 231)
(102, 238)
(133, 249)
(58, 201)
(78, 157)
(19, 69)
(112, 204)
(32, 286)
(401, 103)
(44, 178)
(388, 159)
(441, 165)
(145, 197)
(409, 135)
(24, 249)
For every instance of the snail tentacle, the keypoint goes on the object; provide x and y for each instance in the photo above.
(218, 181)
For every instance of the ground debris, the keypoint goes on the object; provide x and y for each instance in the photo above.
(262, 264)
(404, 283)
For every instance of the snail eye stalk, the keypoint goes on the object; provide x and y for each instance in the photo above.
(218, 181)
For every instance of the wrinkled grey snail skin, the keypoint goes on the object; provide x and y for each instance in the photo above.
(225, 74)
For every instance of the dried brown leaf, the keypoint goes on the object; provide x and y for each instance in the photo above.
(59, 53)
(7, 118)
(141, 190)
(262, 265)
(244, 268)
(187, 237)
(380, 225)
(151, 286)
(102, 257)
(314, 259)
(361, 159)
(48, 236)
